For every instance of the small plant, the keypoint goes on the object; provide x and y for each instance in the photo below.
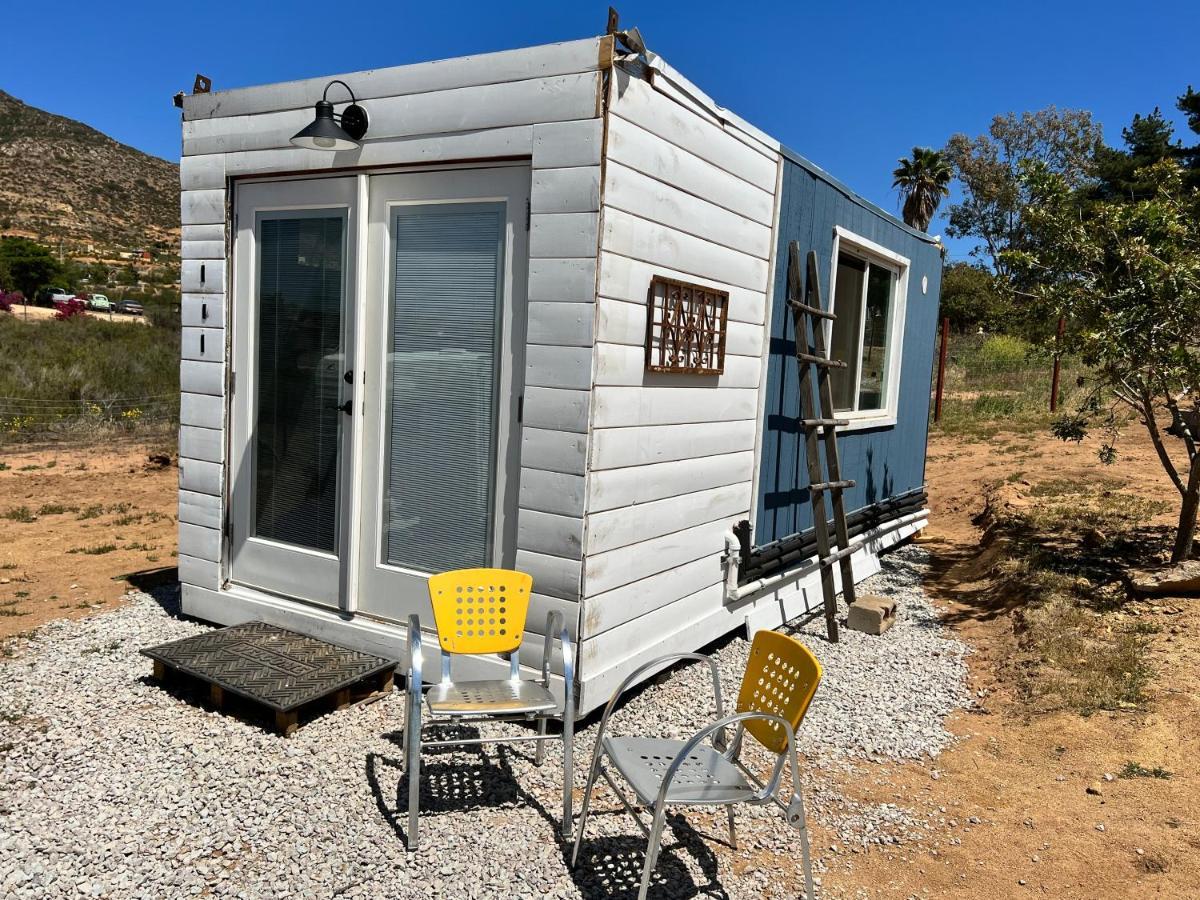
(1137, 770)
(12, 718)
(98, 550)
(92, 512)
(55, 509)
(21, 594)
(20, 514)
(139, 546)
(8, 566)
(32, 467)
(4, 467)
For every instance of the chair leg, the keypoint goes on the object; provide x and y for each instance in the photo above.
(412, 766)
(539, 756)
(805, 856)
(732, 832)
(587, 804)
(652, 847)
(568, 732)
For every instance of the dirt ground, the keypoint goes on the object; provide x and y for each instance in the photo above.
(1010, 800)
(75, 525)
(1016, 816)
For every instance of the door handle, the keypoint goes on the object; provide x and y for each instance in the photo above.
(347, 407)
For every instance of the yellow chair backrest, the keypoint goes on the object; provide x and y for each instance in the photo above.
(480, 610)
(781, 678)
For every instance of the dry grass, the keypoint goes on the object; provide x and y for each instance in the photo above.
(1067, 546)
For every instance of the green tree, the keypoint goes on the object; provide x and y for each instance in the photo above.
(923, 179)
(29, 265)
(971, 300)
(1127, 276)
(1188, 103)
(989, 169)
(1148, 139)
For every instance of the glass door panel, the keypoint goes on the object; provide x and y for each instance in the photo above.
(447, 278)
(298, 384)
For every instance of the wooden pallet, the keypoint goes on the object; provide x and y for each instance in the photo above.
(288, 674)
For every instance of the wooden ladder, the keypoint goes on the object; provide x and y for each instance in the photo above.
(809, 316)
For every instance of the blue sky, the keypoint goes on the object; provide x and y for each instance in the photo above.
(851, 86)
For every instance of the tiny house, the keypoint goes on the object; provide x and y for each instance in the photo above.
(533, 317)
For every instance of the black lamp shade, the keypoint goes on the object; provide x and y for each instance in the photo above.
(324, 132)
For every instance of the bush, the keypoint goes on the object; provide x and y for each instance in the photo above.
(999, 353)
(86, 372)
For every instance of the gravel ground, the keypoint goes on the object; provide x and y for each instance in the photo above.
(113, 787)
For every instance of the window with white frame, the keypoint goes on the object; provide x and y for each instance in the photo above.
(868, 303)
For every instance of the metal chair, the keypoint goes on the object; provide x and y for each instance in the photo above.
(482, 612)
(779, 682)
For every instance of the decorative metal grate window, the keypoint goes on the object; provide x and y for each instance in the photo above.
(685, 327)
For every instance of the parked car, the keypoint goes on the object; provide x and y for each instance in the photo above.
(129, 307)
(99, 303)
(47, 295)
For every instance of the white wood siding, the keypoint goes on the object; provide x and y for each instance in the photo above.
(671, 456)
(542, 103)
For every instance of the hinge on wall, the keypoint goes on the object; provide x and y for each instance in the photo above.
(528, 213)
(232, 381)
(227, 526)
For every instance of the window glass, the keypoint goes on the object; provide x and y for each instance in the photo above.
(876, 331)
(863, 298)
(844, 346)
(447, 283)
(299, 368)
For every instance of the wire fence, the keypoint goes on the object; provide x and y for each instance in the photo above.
(997, 378)
(42, 419)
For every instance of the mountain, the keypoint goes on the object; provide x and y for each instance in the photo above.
(63, 181)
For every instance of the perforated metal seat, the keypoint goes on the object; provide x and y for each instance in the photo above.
(704, 776)
(489, 698)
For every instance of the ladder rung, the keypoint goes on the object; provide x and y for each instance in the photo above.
(830, 485)
(815, 423)
(811, 310)
(820, 360)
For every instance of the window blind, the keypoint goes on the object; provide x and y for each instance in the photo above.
(448, 261)
(299, 365)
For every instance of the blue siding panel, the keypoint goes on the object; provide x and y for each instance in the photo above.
(884, 461)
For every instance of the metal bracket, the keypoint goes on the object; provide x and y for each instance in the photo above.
(202, 85)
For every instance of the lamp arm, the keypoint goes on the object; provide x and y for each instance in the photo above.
(325, 93)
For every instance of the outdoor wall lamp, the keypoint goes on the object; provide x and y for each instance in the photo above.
(325, 132)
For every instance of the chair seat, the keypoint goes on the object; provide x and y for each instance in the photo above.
(489, 698)
(704, 777)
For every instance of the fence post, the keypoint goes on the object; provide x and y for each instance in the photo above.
(1062, 327)
(941, 375)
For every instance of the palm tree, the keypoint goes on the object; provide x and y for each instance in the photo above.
(923, 180)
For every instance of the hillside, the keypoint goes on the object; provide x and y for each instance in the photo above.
(61, 180)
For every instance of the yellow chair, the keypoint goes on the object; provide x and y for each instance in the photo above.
(780, 680)
(481, 612)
